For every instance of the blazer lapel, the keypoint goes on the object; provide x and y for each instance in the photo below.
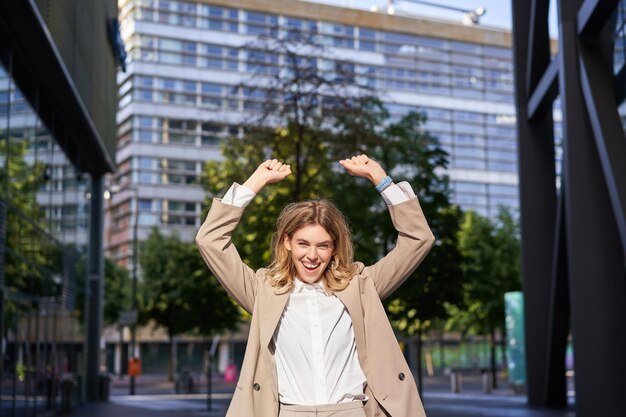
(270, 314)
(350, 297)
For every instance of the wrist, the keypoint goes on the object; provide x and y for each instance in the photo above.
(377, 177)
(255, 184)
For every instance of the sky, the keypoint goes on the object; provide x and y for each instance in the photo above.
(498, 11)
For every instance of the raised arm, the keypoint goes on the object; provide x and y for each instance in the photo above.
(414, 236)
(214, 237)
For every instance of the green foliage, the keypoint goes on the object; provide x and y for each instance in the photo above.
(33, 259)
(31, 254)
(491, 251)
(310, 119)
(116, 290)
(403, 148)
(413, 155)
(178, 291)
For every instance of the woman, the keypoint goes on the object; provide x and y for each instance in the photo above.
(320, 343)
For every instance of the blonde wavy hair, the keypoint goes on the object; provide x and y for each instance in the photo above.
(282, 271)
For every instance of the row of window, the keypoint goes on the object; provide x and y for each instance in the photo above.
(465, 200)
(473, 139)
(213, 96)
(455, 80)
(228, 97)
(485, 198)
(460, 162)
(158, 211)
(167, 130)
(501, 190)
(254, 23)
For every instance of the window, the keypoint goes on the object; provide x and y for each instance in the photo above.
(145, 205)
(367, 39)
(261, 24)
(341, 36)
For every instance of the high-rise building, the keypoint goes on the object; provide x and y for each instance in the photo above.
(179, 96)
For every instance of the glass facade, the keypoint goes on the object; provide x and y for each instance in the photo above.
(176, 69)
(43, 229)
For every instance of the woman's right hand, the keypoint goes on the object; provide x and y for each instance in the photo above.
(268, 172)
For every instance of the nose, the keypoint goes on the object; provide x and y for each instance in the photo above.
(312, 253)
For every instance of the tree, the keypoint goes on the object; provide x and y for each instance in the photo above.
(32, 256)
(116, 290)
(178, 291)
(303, 116)
(491, 251)
(414, 155)
(310, 119)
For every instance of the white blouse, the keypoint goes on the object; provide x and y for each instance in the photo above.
(316, 356)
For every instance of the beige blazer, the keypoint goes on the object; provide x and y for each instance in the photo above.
(390, 385)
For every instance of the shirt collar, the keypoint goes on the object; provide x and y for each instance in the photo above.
(302, 287)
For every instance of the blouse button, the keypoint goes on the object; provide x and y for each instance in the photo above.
(256, 386)
(401, 376)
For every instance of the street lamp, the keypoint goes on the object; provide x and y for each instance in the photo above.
(470, 17)
(133, 313)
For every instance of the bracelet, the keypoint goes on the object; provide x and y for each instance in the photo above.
(386, 182)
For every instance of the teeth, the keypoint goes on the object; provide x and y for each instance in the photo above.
(311, 266)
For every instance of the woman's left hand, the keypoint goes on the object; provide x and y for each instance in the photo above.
(364, 167)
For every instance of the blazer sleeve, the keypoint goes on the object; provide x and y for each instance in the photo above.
(414, 241)
(221, 256)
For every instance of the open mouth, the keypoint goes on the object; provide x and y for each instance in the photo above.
(310, 266)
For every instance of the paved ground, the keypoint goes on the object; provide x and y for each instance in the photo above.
(155, 398)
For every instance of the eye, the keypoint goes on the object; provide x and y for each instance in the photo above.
(302, 244)
(325, 246)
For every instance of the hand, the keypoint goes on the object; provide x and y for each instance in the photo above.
(268, 172)
(362, 166)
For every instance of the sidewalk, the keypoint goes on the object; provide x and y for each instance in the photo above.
(155, 398)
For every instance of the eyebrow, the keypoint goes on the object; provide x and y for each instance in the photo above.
(326, 242)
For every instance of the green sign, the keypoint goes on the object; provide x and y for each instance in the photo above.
(514, 311)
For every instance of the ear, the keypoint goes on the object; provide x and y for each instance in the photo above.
(287, 242)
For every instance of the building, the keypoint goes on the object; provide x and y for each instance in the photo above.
(57, 135)
(184, 58)
(178, 98)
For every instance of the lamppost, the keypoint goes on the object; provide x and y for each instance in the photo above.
(470, 17)
(132, 319)
(133, 334)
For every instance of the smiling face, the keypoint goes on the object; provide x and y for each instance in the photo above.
(311, 249)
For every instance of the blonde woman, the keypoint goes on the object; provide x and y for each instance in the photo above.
(320, 343)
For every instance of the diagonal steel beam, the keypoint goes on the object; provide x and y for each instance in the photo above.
(593, 16)
(547, 89)
(558, 327)
(537, 199)
(607, 128)
(619, 87)
(538, 55)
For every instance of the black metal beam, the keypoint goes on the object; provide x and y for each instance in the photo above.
(595, 255)
(593, 16)
(538, 55)
(619, 86)
(558, 321)
(537, 203)
(94, 290)
(606, 123)
(38, 70)
(545, 93)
